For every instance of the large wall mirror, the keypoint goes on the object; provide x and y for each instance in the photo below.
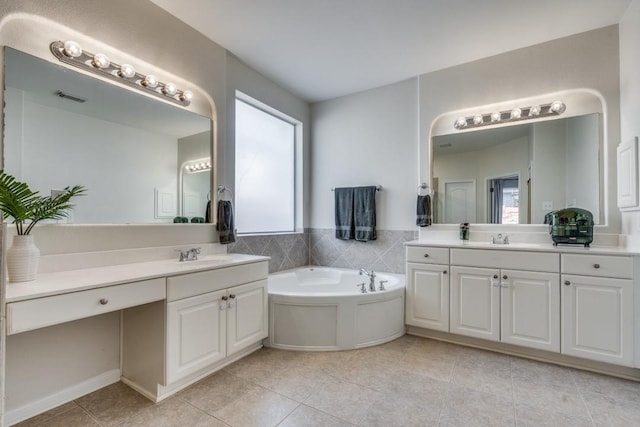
(516, 174)
(130, 151)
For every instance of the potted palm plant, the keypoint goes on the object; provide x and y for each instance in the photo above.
(27, 208)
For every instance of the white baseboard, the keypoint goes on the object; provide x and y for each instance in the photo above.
(63, 396)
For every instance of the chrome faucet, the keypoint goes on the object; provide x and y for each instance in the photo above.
(189, 254)
(372, 278)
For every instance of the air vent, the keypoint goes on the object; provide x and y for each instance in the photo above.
(61, 94)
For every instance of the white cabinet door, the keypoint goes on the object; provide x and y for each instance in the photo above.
(247, 315)
(530, 309)
(196, 333)
(427, 302)
(597, 318)
(475, 302)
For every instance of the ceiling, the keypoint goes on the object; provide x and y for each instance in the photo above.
(322, 49)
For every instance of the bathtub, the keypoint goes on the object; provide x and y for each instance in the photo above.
(321, 308)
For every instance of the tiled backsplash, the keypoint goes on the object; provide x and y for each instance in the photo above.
(320, 247)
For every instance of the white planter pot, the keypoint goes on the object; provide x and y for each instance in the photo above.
(22, 259)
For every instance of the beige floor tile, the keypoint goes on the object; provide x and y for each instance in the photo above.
(344, 400)
(429, 348)
(555, 398)
(531, 371)
(612, 412)
(417, 389)
(533, 416)
(259, 407)
(617, 388)
(113, 404)
(296, 383)
(39, 419)
(74, 417)
(486, 374)
(390, 411)
(328, 361)
(173, 412)
(216, 391)
(305, 416)
(438, 367)
(467, 407)
(402, 344)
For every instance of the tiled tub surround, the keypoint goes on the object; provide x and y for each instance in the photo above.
(408, 382)
(319, 246)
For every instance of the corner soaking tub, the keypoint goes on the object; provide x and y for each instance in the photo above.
(320, 308)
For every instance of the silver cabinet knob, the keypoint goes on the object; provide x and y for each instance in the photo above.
(426, 255)
(505, 277)
(444, 272)
(567, 283)
(495, 276)
(104, 301)
(596, 265)
(232, 296)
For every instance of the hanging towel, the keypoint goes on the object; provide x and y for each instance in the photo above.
(344, 213)
(423, 211)
(364, 207)
(225, 224)
(207, 212)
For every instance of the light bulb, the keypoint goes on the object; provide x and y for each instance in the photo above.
(169, 89)
(495, 117)
(460, 123)
(72, 49)
(534, 110)
(557, 107)
(127, 71)
(477, 119)
(150, 81)
(100, 60)
(516, 113)
(186, 95)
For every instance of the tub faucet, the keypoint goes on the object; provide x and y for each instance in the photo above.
(372, 279)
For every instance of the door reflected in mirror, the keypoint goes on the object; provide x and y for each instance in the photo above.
(517, 174)
(64, 128)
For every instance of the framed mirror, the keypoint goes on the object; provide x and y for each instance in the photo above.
(64, 128)
(516, 174)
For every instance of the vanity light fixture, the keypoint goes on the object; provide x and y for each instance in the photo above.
(515, 114)
(71, 53)
(200, 165)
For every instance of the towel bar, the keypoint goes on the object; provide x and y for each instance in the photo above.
(378, 188)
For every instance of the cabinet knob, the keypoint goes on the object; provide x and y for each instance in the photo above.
(444, 272)
(232, 296)
(495, 276)
(596, 265)
(567, 283)
(426, 255)
(104, 301)
(505, 277)
(224, 298)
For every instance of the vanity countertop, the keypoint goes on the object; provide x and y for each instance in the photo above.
(78, 280)
(539, 247)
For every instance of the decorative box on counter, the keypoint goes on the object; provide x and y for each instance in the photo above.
(570, 226)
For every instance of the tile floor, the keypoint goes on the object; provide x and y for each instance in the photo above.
(408, 382)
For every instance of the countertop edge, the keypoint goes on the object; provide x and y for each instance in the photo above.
(529, 247)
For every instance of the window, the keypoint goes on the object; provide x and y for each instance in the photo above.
(265, 170)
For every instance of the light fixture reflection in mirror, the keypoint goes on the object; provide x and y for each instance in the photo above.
(555, 164)
(126, 148)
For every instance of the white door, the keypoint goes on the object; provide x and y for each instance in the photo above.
(459, 202)
(428, 296)
(530, 309)
(597, 318)
(475, 302)
(247, 315)
(196, 334)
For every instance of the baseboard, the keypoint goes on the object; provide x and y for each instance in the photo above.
(63, 396)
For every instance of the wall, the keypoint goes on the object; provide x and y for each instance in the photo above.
(630, 98)
(587, 60)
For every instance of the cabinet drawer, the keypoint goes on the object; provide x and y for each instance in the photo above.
(514, 260)
(192, 284)
(40, 312)
(428, 254)
(598, 265)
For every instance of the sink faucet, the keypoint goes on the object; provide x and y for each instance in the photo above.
(500, 240)
(372, 278)
(189, 254)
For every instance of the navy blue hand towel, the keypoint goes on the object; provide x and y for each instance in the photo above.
(226, 225)
(423, 211)
(364, 202)
(344, 213)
